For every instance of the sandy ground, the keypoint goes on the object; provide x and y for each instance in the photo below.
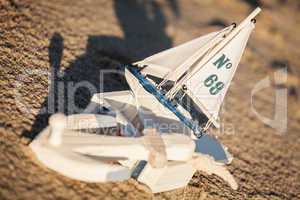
(74, 40)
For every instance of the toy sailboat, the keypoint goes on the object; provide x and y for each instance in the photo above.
(175, 96)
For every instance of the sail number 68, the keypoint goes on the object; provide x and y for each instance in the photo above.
(213, 83)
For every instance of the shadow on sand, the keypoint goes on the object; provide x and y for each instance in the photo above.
(144, 27)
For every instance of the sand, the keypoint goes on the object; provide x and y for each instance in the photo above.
(73, 41)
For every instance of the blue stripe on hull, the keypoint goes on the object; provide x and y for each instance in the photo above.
(149, 87)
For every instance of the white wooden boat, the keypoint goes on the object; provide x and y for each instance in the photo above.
(157, 120)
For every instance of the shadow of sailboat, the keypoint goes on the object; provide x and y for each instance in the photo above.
(144, 27)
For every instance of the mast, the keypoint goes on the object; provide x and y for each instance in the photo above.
(181, 69)
(172, 92)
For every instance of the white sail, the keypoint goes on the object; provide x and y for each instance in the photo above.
(210, 83)
(200, 63)
(205, 65)
(167, 61)
(200, 53)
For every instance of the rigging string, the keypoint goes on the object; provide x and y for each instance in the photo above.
(169, 75)
(207, 125)
(173, 91)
